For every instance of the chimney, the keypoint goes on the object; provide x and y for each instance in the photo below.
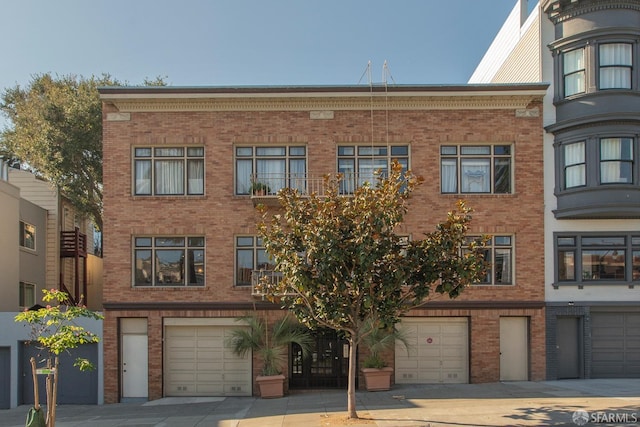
(524, 11)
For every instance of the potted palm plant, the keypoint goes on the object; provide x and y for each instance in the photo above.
(270, 345)
(378, 340)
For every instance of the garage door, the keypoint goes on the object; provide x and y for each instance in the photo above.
(75, 387)
(439, 351)
(198, 364)
(5, 374)
(615, 345)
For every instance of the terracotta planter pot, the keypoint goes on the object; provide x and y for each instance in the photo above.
(271, 386)
(377, 379)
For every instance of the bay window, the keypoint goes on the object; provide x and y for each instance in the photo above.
(573, 72)
(616, 160)
(574, 165)
(615, 60)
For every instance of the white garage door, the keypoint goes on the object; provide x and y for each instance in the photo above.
(439, 351)
(198, 364)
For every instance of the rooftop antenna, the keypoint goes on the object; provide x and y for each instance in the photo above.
(386, 74)
(367, 72)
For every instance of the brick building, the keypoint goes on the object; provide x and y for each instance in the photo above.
(180, 244)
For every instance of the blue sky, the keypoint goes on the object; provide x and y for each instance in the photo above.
(249, 42)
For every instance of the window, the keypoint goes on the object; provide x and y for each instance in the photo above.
(499, 256)
(475, 169)
(273, 168)
(164, 171)
(615, 61)
(27, 295)
(635, 259)
(592, 258)
(250, 256)
(359, 164)
(573, 72)
(616, 160)
(27, 235)
(574, 165)
(169, 261)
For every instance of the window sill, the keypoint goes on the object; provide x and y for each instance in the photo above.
(581, 285)
(170, 197)
(487, 195)
(169, 287)
(492, 285)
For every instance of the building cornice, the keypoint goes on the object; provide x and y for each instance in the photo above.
(315, 104)
(563, 10)
(264, 305)
(133, 100)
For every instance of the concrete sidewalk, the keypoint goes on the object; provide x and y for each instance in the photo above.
(606, 402)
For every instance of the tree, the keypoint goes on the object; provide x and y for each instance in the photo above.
(343, 264)
(56, 131)
(54, 329)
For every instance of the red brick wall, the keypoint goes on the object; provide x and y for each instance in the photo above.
(219, 215)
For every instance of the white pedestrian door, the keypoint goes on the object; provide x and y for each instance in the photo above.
(134, 366)
(514, 349)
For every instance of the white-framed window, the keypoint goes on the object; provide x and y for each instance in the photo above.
(616, 160)
(169, 261)
(574, 165)
(27, 295)
(359, 163)
(498, 254)
(615, 65)
(573, 72)
(166, 171)
(250, 256)
(595, 258)
(476, 169)
(27, 235)
(271, 168)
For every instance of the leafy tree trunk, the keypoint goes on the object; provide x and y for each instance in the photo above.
(351, 388)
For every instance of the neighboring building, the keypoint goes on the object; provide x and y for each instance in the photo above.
(589, 52)
(181, 250)
(39, 251)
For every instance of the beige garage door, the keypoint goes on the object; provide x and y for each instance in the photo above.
(198, 364)
(439, 351)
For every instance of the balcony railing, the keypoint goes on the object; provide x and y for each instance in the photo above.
(265, 186)
(257, 276)
(73, 244)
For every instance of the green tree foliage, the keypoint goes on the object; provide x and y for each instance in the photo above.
(343, 264)
(54, 330)
(54, 327)
(55, 129)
